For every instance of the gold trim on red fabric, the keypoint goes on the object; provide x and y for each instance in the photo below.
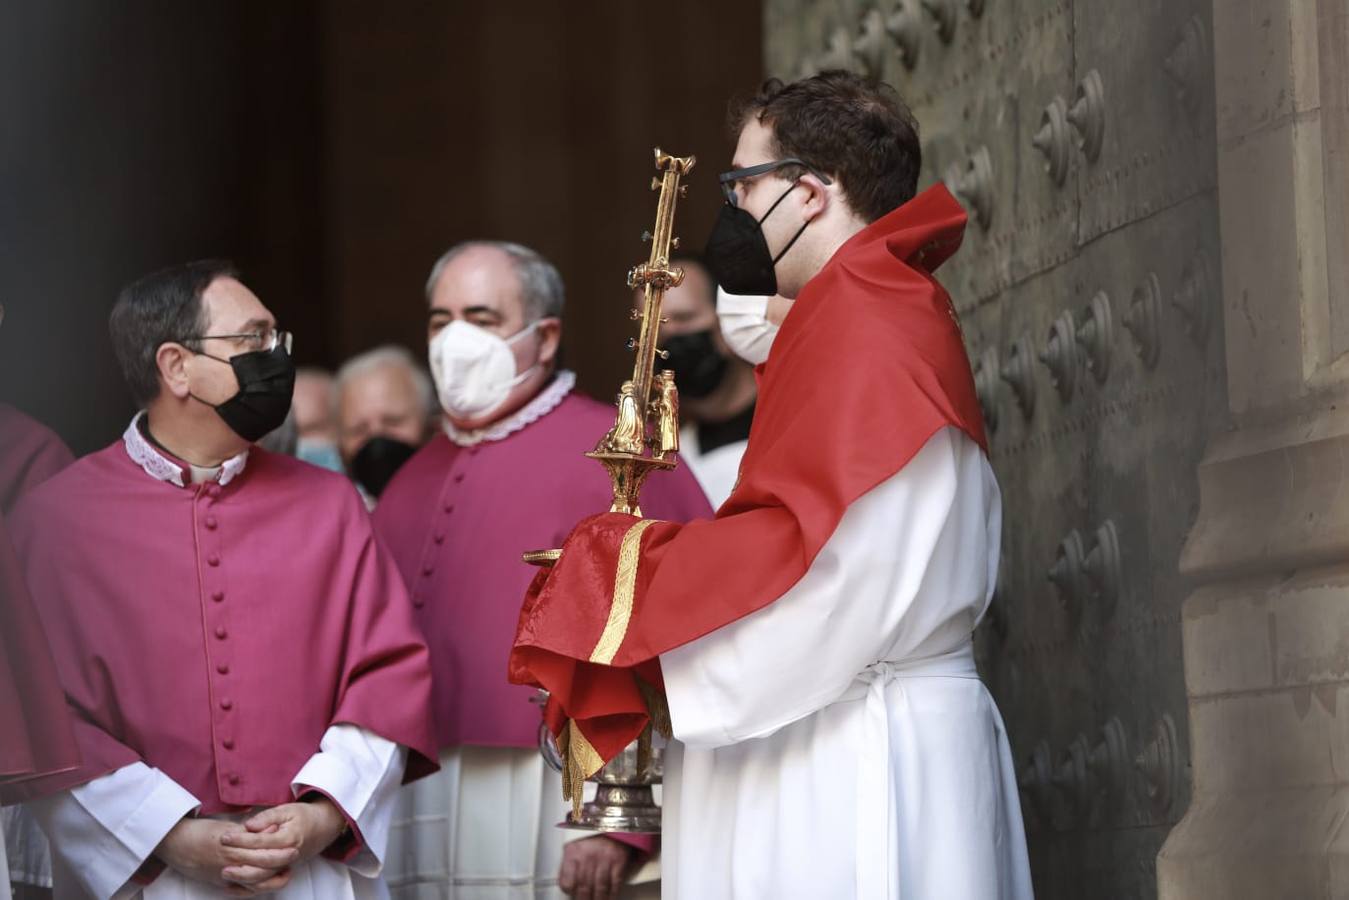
(620, 611)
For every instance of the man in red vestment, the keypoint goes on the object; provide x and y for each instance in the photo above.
(247, 686)
(814, 640)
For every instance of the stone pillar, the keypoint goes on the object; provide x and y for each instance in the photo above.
(1266, 630)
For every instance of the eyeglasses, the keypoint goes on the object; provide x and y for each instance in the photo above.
(730, 179)
(256, 341)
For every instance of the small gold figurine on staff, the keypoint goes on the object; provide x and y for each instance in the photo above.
(667, 416)
(629, 432)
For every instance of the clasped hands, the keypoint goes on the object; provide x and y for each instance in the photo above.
(256, 856)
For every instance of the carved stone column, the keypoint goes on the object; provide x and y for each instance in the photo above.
(1266, 630)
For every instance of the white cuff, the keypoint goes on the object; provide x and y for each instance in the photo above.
(360, 772)
(105, 830)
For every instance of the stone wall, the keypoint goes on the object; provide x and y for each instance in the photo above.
(1267, 633)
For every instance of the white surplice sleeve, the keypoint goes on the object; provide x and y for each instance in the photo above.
(360, 772)
(103, 831)
(919, 530)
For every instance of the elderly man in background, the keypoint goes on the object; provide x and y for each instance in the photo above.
(315, 418)
(384, 404)
(506, 474)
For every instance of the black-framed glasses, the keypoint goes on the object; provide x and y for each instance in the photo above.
(730, 179)
(255, 341)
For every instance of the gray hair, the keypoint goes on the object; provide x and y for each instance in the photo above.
(378, 358)
(541, 291)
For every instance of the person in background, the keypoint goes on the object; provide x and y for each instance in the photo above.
(505, 474)
(749, 324)
(716, 387)
(35, 728)
(315, 418)
(30, 452)
(283, 439)
(383, 405)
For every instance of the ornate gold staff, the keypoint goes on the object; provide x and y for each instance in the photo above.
(644, 438)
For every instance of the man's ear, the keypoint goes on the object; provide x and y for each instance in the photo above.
(817, 199)
(550, 339)
(171, 361)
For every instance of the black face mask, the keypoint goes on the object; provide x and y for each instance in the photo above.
(738, 254)
(375, 463)
(697, 364)
(266, 382)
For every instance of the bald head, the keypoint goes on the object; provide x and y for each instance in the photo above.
(501, 288)
(486, 282)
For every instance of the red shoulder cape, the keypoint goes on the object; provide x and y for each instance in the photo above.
(866, 368)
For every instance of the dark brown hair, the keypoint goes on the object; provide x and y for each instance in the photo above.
(854, 129)
(160, 308)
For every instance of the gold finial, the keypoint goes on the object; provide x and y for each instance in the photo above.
(645, 434)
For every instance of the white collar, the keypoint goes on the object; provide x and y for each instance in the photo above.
(158, 466)
(544, 402)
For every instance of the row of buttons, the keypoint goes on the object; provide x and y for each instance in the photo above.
(438, 539)
(221, 664)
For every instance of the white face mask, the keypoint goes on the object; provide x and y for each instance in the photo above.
(745, 326)
(474, 370)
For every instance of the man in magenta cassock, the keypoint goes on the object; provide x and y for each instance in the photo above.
(247, 686)
(30, 453)
(35, 729)
(507, 475)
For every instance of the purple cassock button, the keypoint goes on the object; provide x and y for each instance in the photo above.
(221, 633)
(427, 570)
(228, 743)
(449, 508)
(438, 538)
(459, 478)
(227, 704)
(234, 780)
(223, 668)
(213, 490)
(218, 596)
(212, 560)
(418, 602)
(211, 523)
